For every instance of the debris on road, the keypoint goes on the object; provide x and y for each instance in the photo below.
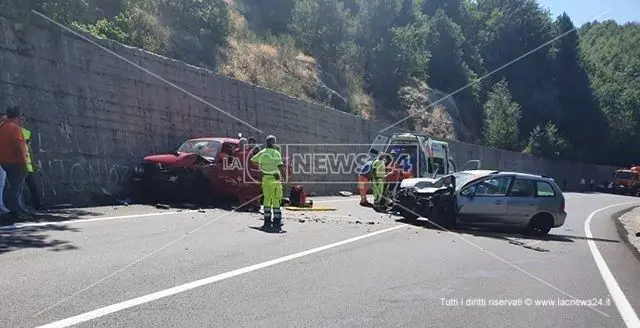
(302, 220)
(345, 193)
(358, 222)
(163, 206)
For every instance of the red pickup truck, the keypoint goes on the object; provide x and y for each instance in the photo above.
(202, 171)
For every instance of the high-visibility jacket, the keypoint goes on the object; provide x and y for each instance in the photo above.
(27, 137)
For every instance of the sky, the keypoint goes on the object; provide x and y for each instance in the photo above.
(583, 11)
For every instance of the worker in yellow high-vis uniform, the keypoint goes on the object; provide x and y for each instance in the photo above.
(30, 180)
(270, 162)
(379, 173)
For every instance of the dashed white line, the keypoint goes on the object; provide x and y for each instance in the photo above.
(622, 303)
(87, 316)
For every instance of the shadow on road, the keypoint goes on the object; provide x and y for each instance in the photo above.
(34, 237)
(269, 232)
(504, 233)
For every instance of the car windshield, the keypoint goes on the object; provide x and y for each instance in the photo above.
(204, 148)
(436, 162)
(462, 178)
(626, 175)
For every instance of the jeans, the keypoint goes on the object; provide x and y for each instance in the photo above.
(3, 178)
(34, 193)
(16, 174)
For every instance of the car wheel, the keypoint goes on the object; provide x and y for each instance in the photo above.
(540, 225)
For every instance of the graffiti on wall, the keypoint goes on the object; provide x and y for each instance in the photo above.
(74, 164)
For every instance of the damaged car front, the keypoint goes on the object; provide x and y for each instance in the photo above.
(435, 199)
(180, 176)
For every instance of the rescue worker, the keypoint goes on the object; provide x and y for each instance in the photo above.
(379, 174)
(30, 180)
(271, 165)
(364, 180)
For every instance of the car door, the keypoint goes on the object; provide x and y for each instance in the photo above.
(379, 144)
(484, 202)
(521, 201)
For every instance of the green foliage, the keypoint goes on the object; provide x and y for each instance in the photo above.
(323, 27)
(611, 58)
(199, 28)
(272, 15)
(502, 118)
(546, 142)
(363, 55)
(134, 27)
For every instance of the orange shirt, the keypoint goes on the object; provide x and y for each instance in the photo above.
(10, 131)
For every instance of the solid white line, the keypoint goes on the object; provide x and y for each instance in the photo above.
(87, 316)
(40, 224)
(622, 303)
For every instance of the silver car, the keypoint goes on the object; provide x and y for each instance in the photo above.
(484, 197)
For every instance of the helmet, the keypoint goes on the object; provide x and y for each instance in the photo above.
(271, 140)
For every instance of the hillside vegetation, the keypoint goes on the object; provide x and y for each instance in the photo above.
(504, 73)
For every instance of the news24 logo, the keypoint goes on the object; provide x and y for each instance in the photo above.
(402, 161)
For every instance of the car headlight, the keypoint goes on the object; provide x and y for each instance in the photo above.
(138, 169)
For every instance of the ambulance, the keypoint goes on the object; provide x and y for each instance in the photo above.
(418, 156)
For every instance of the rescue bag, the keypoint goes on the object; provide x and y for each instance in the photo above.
(297, 197)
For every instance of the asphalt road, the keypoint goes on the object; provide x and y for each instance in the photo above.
(137, 266)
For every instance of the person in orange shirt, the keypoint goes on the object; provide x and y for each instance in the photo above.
(13, 158)
(3, 178)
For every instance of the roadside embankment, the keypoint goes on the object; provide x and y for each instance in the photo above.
(631, 223)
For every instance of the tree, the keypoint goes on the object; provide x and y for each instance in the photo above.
(610, 53)
(506, 31)
(322, 27)
(447, 69)
(394, 34)
(546, 142)
(575, 95)
(199, 29)
(272, 15)
(502, 116)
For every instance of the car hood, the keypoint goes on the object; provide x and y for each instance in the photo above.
(174, 159)
(418, 183)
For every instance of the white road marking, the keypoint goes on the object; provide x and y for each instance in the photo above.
(87, 316)
(40, 224)
(622, 303)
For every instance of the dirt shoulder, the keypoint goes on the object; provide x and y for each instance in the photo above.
(631, 223)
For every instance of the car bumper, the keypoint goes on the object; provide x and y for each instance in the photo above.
(558, 219)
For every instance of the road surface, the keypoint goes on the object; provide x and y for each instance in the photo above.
(137, 266)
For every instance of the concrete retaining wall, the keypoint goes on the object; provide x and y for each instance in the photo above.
(94, 116)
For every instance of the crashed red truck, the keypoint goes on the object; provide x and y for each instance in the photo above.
(201, 171)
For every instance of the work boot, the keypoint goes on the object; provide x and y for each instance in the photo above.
(277, 220)
(267, 219)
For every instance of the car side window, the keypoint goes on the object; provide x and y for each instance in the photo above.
(523, 188)
(544, 189)
(468, 191)
(492, 187)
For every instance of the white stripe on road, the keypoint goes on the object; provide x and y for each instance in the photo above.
(40, 224)
(622, 303)
(199, 283)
